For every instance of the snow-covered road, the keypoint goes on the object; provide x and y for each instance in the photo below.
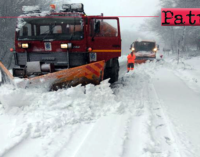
(182, 105)
(151, 112)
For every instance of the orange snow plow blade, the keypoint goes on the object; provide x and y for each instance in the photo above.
(89, 73)
(144, 61)
(140, 61)
(5, 75)
(142, 58)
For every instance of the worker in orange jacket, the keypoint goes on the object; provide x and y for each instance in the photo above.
(130, 61)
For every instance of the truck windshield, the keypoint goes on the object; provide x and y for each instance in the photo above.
(61, 28)
(144, 46)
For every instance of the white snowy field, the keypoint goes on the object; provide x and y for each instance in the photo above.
(150, 112)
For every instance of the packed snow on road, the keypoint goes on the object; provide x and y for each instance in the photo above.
(152, 111)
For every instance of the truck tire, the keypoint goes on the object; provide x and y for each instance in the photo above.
(112, 72)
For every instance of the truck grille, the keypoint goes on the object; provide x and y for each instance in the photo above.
(57, 58)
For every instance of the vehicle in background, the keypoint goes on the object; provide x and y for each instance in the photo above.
(145, 50)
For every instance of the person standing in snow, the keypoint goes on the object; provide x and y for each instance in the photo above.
(130, 61)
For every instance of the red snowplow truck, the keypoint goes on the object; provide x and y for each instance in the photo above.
(145, 50)
(66, 48)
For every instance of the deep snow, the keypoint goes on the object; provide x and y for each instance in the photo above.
(150, 112)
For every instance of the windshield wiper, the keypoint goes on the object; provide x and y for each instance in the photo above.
(73, 31)
(49, 31)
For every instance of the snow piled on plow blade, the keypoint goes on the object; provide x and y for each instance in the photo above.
(59, 108)
(89, 73)
(85, 74)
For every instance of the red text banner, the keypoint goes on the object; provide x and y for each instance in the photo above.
(180, 17)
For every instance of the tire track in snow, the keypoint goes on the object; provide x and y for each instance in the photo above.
(64, 143)
(181, 143)
(154, 138)
(161, 142)
(104, 138)
(155, 145)
(162, 132)
(119, 137)
(140, 140)
(83, 140)
(167, 136)
(137, 116)
(53, 146)
(152, 147)
(18, 139)
(134, 85)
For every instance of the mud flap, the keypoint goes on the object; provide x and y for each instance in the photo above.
(5, 75)
(89, 73)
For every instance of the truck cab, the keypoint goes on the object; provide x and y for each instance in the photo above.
(145, 50)
(46, 42)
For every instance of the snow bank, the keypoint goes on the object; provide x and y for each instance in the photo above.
(126, 119)
(45, 111)
(15, 97)
(188, 71)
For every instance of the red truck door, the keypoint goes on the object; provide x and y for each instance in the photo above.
(104, 38)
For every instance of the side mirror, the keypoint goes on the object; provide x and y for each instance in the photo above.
(130, 46)
(97, 27)
(158, 47)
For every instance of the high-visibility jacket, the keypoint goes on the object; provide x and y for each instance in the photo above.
(131, 59)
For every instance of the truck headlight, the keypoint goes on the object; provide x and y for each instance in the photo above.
(155, 49)
(64, 46)
(25, 45)
(132, 48)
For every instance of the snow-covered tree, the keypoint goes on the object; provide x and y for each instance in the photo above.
(9, 9)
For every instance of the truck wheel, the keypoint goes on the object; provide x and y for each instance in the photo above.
(113, 72)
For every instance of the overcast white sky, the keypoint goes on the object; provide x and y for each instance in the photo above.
(122, 8)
